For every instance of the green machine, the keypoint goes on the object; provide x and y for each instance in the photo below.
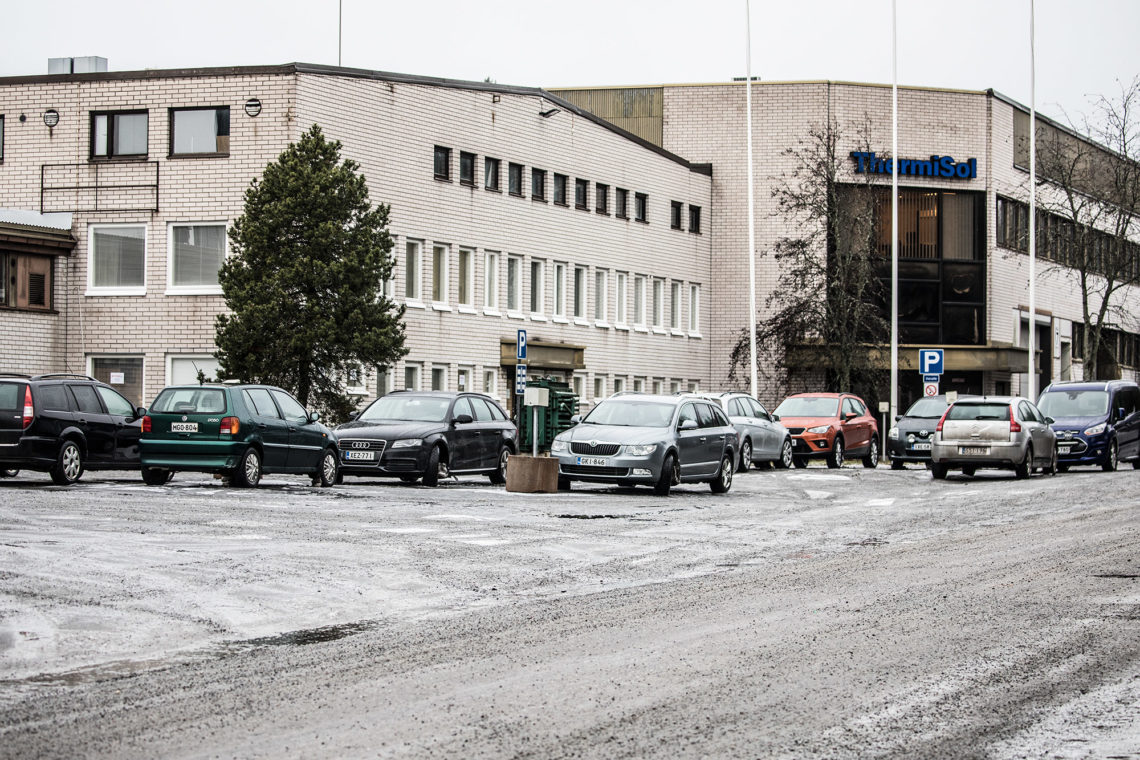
(552, 417)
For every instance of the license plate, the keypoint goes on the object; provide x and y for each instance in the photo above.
(367, 456)
(1064, 449)
(797, 443)
(974, 450)
(184, 427)
(921, 447)
(593, 461)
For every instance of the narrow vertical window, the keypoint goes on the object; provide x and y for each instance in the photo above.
(620, 288)
(600, 295)
(695, 219)
(515, 179)
(536, 287)
(560, 290)
(467, 168)
(621, 203)
(466, 286)
(560, 189)
(658, 304)
(491, 281)
(491, 174)
(442, 163)
(639, 300)
(641, 207)
(579, 292)
(412, 269)
(538, 184)
(675, 208)
(694, 309)
(439, 273)
(581, 193)
(675, 305)
(601, 198)
(514, 284)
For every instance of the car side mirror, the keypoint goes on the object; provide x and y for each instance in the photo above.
(314, 416)
(461, 419)
(1120, 413)
(140, 412)
(898, 417)
(1049, 420)
(575, 419)
(353, 415)
(775, 418)
(687, 425)
(849, 416)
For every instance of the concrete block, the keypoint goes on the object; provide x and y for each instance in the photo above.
(527, 474)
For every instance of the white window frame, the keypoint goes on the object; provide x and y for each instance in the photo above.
(695, 310)
(619, 384)
(193, 290)
(639, 385)
(599, 387)
(431, 377)
(466, 277)
(675, 291)
(417, 299)
(658, 305)
(579, 288)
(491, 283)
(621, 315)
(170, 358)
(639, 310)
(539, 298)
(361, 387)
(465, 371)
(578, 385)
(418, 370)
(559, 310)
(444, 270)
(389, 375)
(132, 290)
(515, 293)
(601, 290)
(491, 388)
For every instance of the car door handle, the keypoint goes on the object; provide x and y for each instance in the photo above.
(262, 425)
(703, 439)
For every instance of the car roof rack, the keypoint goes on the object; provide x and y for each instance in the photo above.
(14, 374)
(60, 375)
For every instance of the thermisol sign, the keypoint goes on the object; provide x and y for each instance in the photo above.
(867, 162)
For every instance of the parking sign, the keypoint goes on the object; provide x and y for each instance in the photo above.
(520, 379)
(520, 345)
(930, 361)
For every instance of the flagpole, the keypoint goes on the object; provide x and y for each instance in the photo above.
(751, 207)
(894, 212)
(1031, 390)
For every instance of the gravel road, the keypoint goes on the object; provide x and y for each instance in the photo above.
(806, 613)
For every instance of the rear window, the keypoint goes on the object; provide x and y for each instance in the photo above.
(978, 412)
(11, 396)
(190, 401)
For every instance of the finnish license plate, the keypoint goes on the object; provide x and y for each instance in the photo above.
(593, 461)
(184, 427)
(921, 447)
(365, 456)
(974, 450)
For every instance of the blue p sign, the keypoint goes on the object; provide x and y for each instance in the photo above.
(521, 345)
(930, 361)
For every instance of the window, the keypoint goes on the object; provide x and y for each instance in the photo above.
(600, 280)
(117, 264)
(384, 381)
(579, 292)
(262, 403)
(560, 189)
(536, 287)
(196, 254)
(694, 309)
(463, 379)
(601, 198)
(658, 304)
(491, 174)
(183, 370)
(442, 163)
(466, 168)
(620, 288)
(538, 184)
(466, 277)
(490, 382)
(439, 274)
(619, 384)
(355, 381)
(26, 281)
(514, 283)
(123, 373)
(290, 407)
(674, 386)
(657, 387)
(576, 385)
(621, 203)
(639, 300)
(581, 193)
(560, 290)
(490, 280)
(641, 207)
(411, 377)
(639, 385)
(694, 219)
(674, 305)
(412, 253)
(115, 403)
(599, 387)
(1, 137)
(515, 179)
(119, 135)
(675, 209)
(439, 378)
(200, 131)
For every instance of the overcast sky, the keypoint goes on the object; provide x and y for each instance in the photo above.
(1083, 48)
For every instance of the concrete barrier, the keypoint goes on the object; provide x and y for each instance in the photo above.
(527, 474)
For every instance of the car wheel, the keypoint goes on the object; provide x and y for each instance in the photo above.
(745, 456)
(330, 467)
(1111, 459)
(1023, 470)
(938, 470)
(1052, 468)
(723, 480)
(68, 464)
(969, 471)
(563, 483)
(409, 478)
(897, 464)
(835, 458)
(156, 476)
(1065, 467)
(9, 473)
(499, 476)
(800, 462)
(785, 460)
(871, 460)
(670, 474)
(436, 468)
(248, 472)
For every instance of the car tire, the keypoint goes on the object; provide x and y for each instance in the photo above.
(800, 462)
(156, 476)
(409, 478)
(871, 460)
(1051, 469)
(1023, 470)
(1065, 467)
(835, 456)
(68, 464)
(785, 460)
(329, 469)
(723, 479)
(499, 476)
(669, 475)
(745, 456)
(1111, 458)
(436, 468)
(897, 464)
(938, 470)
(248, 472)
(563, 483)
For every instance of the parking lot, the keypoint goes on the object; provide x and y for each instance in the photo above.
(832, 612)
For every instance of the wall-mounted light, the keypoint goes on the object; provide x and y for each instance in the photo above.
(51, 117)
(252, 107)
(495, 97)
(548, 114)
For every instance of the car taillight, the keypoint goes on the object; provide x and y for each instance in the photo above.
(941, 420)
(1014, 427)
(146, 423)
(230, 426)
(29, 409)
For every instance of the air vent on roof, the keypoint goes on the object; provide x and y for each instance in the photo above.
(84, 65)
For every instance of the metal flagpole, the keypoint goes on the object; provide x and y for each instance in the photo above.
(894, 212)
(1031, 389)
(339, 27)
(751, 205)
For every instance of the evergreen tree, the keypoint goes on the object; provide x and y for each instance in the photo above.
(303, 286)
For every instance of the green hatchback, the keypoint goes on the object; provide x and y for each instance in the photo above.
(239, 431)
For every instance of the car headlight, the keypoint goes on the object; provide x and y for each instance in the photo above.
(558, 445)
(1096, 429)
(819, 429)
(641, 449)
(893, 434)
(407, 443)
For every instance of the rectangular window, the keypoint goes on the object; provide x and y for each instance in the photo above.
(200, 131)
(515, 179)
(601, 198)
(442, 163)
(538, 184)
(439, 266)
(694, 219)
(466, 168)
(638, 384)
(463, 379)
(658, 303)
(514, 283)
(599, 387)
(694, 309)
(183, 370)
(466, 277)
(674, 305)
(491, 280)
(560, 189)
(560, 290)
(641, 207)
(581, 193)
(579, 292)
(117, 262)
(639, 300)
(576, 385)
(1, 137)
(355, 381)
(536, 287)
(26, 281)
(657, 384)
(123, 373)
(491, 174)
(439, 378)
(674, 386)
(197, 252)
(675, 209)
(619, 385)
(490, 382)
(619, 292)
(411, 377)
(621, 203)
(412, 253)
(119, 134)
(600, 281)
(384, 381)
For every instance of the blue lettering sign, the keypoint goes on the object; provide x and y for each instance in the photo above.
(867, 162)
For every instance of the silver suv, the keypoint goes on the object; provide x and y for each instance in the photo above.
(634, 439)
(995, 432)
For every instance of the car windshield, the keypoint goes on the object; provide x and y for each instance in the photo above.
(631, 413)
(1062, 403)
(931, 408)
(190, 401)
(808, 406)
(978, 412)
(398, 406)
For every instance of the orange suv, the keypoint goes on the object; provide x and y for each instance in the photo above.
(834, 426)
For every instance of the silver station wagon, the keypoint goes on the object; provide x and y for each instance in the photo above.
(995, 432)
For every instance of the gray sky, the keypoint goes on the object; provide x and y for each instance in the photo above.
(1083, 48)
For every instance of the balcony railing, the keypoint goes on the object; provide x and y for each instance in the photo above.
(99, 186)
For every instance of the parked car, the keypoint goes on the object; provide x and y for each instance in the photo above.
(993, 432)
(239, 431)
(429, 435)
(638, 439)
(760, 437)
(64, 424)
(910, 438)
(1097, 423)
(832, 426)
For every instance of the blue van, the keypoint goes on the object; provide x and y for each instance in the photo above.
(1097, 423)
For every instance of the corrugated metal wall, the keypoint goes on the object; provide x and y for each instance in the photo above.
(637, 110)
